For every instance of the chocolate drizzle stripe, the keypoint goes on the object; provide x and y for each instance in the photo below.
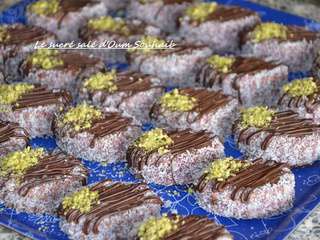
(109, 124)
(21, 34)
(286, 123)
(182, 141)
(67, 6)
(39, 96)
(52, 168)
(114, 198)
(224, 14)
(207, 76)
(207, 101)
(12, 130)
(193, 227)
(247, 180)
(308, 102)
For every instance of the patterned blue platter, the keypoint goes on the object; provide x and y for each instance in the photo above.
(179, 199)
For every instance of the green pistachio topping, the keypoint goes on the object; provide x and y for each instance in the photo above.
(157, 229)
(82, 200)
(201, 11)
(258, 117)
(301, 88)
(4, 35)
(221, 64)
(82, 116)
(10, 93)
(109, 24)
(266, 31)
(17, 163)
(174, 101)
(149, 44)
(156, 139)
(102, 81)
(221, 169)
(45, 7)
(46, 59)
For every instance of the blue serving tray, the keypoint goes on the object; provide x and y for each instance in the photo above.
(179, 199)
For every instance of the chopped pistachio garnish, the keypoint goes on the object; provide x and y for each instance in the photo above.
(174, 101)
(17, 163)
(102, 81)
(82, 200)
(4, 36)
(82, 116)
(221, 169)
(156, 139)
(266, 31)
(109, 24)
(157, 229)
(201, 11)
(301, 87)
(46, 59)
(149, 44)
(221, 64)
(45, 7)
(258, 117)
(10, 93)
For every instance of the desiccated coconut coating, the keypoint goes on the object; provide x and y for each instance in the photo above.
(293, 46)
(16, 42)
(180, 160)
(59, 69)
(86, 132)
(176, 66)
(34, 181)
(12, 138)
(177, 227)
(161, 13)
(303, 97)
(245, 190)
(201, 110)
(108, 210)
(116, 33)
(64, 17)
(130, 93)
(217, 26)
(279, 136)
(316, 66)
(252, 81)
(31, 106)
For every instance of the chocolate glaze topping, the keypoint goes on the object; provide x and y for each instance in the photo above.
(109, 124)
(129, 82)
(183, 141)
(287, 123)
(209, 77)
(72, 61)
(194, 227)
(295, 33)
(207, 101)
(307, 101)
(10, 130)
(248, 179)
(113, 198)
(52, 168)
(40, 96)
(67, 6)
(87, 33)
(21, 34)
(299, 34)
(224, 14)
